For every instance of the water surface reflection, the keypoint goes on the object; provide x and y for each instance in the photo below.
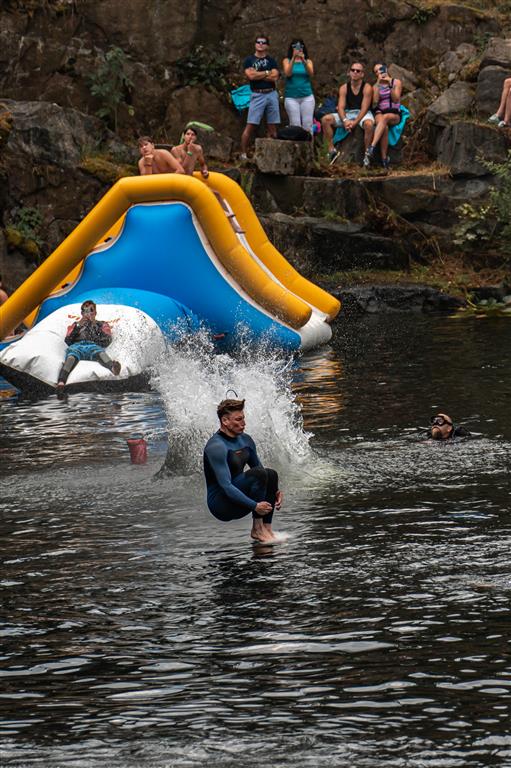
(136, 630)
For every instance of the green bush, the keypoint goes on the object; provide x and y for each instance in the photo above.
(489, 223)
(111, 84)
(203, 66)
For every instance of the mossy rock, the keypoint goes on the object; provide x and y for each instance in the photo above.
(17, 241)
(470, 71)
(105, 169)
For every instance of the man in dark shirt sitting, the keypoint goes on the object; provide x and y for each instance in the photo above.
(443, 428)
(86, 340)
(232, 492)
(262, 72)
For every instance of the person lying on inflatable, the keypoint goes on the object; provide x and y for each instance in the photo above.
(86, 340)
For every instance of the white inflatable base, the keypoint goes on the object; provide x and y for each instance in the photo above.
(137, 343)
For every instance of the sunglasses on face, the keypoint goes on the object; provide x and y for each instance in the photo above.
(439, 421)
(262, 42)
(88, 311)
(356, 70)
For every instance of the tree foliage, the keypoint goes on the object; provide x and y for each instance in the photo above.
(111, 85)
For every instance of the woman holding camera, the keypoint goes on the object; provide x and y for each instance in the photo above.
(299, 99)
(387, 112)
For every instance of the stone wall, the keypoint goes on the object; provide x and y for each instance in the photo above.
(49, 51)
(56, 156)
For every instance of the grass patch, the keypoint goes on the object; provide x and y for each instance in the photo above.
(453, 275)
(105, 169)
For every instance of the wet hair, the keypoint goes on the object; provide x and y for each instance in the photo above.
(143, 140)
(293, 42)
(87, 303)
(229, 406)
(190, 128)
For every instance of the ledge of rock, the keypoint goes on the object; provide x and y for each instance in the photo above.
(373, 299)
(320, 246)
(283, 158)
(465, 146)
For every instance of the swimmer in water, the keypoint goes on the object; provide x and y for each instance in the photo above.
(232, 492)
(443, 428)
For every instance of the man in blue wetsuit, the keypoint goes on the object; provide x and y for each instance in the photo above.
(233, 492)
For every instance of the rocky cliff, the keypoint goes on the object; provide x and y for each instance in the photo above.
(179, 63)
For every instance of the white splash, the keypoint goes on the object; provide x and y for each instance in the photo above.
(192, 379)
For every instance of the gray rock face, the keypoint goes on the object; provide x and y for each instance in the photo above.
(457, 99)
(317, 245)
(497, 53)
(50, 134)
(192, 103)
(464, 146)
(41, 157)
(489, 87)
(416, 101)
(283, 158)
(454, 61)
(372, 299)
(407, 77)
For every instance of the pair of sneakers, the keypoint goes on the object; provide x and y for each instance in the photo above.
(369, 157)
(496, 120)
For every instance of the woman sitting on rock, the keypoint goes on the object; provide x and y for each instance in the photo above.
(299, 99)
(387, 112)
(502, 117)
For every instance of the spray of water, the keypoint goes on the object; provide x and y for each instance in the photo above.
(193, 378)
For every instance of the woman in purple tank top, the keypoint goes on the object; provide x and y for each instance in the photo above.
(387, 111)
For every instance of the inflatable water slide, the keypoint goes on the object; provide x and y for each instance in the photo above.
(160, 256)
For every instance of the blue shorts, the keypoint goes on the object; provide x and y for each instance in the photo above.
(261, 103)
(84, 350)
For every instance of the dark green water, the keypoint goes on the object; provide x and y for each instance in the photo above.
(138, 631)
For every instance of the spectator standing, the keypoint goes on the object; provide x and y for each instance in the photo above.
(387, 110)
(299, 99)
(353, 108)
(262, 72)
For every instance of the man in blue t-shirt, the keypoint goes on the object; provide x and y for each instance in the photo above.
(232, 492)
(262, 72)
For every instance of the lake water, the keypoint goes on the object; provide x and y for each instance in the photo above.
(136, 630)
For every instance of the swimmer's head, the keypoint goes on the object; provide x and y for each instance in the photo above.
(191, 132)
(229, 406)
(88, 307)
(232, 417)
(441, 426)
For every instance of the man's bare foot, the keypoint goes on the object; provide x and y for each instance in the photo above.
(261, 533)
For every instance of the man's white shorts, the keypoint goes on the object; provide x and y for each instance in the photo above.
(352, 114)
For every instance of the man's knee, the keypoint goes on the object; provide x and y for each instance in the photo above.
(327, 121)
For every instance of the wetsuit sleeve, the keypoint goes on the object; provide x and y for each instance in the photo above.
(217, 457)
(72, 334)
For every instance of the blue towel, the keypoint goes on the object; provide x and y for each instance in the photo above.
(241, 97)
(395, 131)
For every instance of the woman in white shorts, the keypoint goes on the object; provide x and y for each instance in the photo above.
(299, 99)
